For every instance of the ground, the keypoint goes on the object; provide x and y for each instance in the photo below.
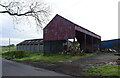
(12, 68)
(4, 49)
(69, 66)
(76, 67)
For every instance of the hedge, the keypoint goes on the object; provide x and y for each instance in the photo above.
(14, 54)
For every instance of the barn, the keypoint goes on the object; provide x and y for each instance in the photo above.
(56, 36)
(59, 30)
(33, 45)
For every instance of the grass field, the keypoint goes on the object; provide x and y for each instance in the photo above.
(104, 70)
(39, 56)
(4, 49)
(51, 57)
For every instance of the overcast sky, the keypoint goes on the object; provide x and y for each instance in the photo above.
(98, 16)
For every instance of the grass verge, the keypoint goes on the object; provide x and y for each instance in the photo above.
(104, 70)
(51, 57)
(4, 49)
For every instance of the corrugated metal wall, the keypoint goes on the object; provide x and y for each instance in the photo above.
(35, 45)
(54, 46)
(59, 29)
(110, 43)
(30, 48)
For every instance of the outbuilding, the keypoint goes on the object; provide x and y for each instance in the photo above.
(59, 30)
(33, 45)
(111, 44)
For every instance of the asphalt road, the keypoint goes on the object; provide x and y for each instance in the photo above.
(11, 68)
(0, 67)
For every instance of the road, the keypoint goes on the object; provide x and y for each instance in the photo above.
(11, 68)
(0, 67)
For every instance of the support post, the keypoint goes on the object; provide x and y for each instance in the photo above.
(100, 44)
(9, 44)
(85, 43)
(97, 44)
(92, 42)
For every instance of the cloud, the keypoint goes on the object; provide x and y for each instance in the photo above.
(13, 39)
(5, 41)
(99, 16)
(17, 33)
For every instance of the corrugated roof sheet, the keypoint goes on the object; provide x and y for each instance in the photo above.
(32, 41)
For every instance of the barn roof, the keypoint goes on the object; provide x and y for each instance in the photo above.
(111, 40)
(59, 20)
(31, 41)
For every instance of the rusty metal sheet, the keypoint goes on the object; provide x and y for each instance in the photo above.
(78, 28)
(59, 29)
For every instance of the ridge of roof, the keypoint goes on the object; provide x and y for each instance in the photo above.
(72, 23)
(29, 40)
(111, 40)
(76, 24)
(33, 39)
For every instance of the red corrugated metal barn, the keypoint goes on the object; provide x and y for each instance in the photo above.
(59, 30)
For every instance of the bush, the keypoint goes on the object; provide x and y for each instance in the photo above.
(11, 45)
(14, 54)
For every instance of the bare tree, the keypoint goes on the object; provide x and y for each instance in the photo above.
(26, 8)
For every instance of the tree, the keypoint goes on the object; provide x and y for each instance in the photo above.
(35, 9)
(11, 45)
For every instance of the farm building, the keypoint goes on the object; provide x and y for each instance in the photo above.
(59, 30)
(34, 45)
(56, 36)
(112, 44)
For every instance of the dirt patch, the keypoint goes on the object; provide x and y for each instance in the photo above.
(75, 68)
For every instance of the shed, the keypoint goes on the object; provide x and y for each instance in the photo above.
(33, 45)
(112, 44)
(59, 30)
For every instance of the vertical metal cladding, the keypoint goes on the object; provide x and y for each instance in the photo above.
(36, 48)
(113, 44)
(41, 48)
(54, 46)
(35, 45)
(59, 29)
